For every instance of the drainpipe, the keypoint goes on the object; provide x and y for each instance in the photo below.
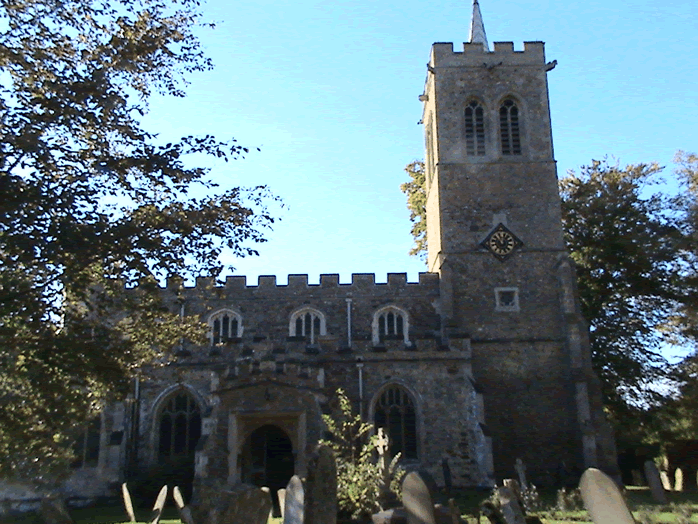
(181, 317)
(348, 300)
(360, 367)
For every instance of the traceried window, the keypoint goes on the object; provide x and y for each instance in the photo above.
(509, 132)
(225, 326)
(308, 323)
(474, 129)
(86, 446)
(390, 323)
(395, 413)
(180, 426)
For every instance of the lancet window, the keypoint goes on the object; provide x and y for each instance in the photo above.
(180, 426)
(509, 132)
(390, 322)
(474, 129)
(225, 326)
(394, 411)
(308, 323)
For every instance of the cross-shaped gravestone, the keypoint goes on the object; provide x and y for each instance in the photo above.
(127, 503)
(382, 444)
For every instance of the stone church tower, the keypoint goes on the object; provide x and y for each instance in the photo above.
(495, 238)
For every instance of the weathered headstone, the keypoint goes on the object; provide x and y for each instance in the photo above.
(266, 490)
(637, 478)
(655, 483)
(521, 472)
(678, 480)
(184, 512)
(453, 510)
(54, 511)
(321, 488)
(281, 494)
(515, 488)
(509, 506)
(217, 503)
(664, 478)
(127, 503)
(294, 504)
(448, 479)
(603, 500)
(417, 500)
(159, 504)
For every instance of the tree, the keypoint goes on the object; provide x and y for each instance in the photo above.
(631, 254)
(91, 202)
(416, 193)
(360, 477)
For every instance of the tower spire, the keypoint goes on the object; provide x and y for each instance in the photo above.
(477, 27)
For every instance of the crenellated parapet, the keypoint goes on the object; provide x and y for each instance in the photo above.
(474, 55)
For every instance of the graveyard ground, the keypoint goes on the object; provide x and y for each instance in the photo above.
(682, 509)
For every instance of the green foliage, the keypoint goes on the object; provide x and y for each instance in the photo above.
(90, 201)
(360, 480)
(630, 250)
(416, 193)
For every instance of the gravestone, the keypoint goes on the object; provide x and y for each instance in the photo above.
(448, 479)
(453, 510)
(666, 483)
(321, 487)
(515, 488)
(678, 480)
(54, 511)
(417, 500)
(655, 483)
(637, 477)
(509, 506)
(281, 494)
(184, 512)
(294, 503)
(220, 504)
(159, 504)
(127, 503)
(603, 500)
(521, 472)
(266, 490)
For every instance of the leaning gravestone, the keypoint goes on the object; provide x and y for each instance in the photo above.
(294, 501)
(521, 472)
(184, 512)
(655, 482)
(54, 511)
(509, 506)
(321, 488)
(159, 504)
(127, 503)
(603, 500)
(281, 495)
(666, 483)
(417, 500)
(515, 488)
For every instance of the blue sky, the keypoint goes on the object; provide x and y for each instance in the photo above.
(327, 89)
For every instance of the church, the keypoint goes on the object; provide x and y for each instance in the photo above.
(483, 360)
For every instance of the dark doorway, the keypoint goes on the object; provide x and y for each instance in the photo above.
(267, 458)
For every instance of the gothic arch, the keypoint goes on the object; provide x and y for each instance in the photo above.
(475, 127)
(193, 412)
(390, 321)
(307, 322)
(511, 124)
(397, 408)
(224, 324)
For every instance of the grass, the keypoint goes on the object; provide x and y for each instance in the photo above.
(682, 509)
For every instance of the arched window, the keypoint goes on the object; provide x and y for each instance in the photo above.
(509, 128)
(390, 323)
(180, 426)
(394, 412)
(308, 323)
(225, 325)
(474, 129)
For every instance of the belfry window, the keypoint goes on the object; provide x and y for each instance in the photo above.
(308, 323)
(474, 129)
(395, 413)
(225, 326)
(390, 323)
(180, 426)
(509, 128)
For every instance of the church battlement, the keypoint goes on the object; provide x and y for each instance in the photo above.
(475, 55)
(359, 281)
